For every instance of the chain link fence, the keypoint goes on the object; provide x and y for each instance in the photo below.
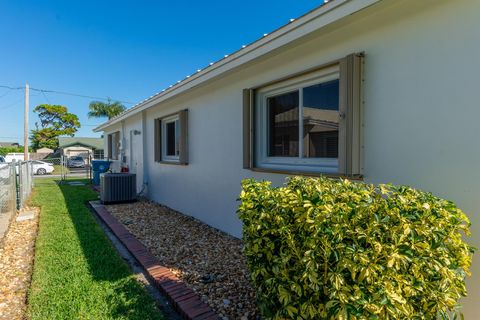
(16, 182)
(24, 182)
(75, 167)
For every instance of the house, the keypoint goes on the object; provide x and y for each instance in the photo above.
(45, 151)
(9, 145)
(41, 153)
(83, 147)
(383, 91)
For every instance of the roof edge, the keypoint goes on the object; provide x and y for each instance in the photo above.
(250, 52)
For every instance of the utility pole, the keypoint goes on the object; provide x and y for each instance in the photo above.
(25, 125)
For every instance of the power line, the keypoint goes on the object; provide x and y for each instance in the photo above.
(14, 103)
(79, 95)
(6, 92)
(11, 88)
(45, 96)
(11, 104)
(67, 93)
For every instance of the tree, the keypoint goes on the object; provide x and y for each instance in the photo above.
(55, 121)
(108, 109)
(12, 149)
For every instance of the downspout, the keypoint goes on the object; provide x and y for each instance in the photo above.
(144, 153)
(122, 146)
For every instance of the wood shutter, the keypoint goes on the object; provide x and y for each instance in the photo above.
(350, 135)
(248, 102)
(158, 140)
(183, 120)
(109, 146)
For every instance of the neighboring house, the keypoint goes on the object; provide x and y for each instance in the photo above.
(8, 144)
(41, 153)
(44, 151)
(83, 147)
(381, 91)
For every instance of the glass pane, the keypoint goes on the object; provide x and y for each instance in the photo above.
(170, 138)
(283, 125)
(320, 120)
(177, 138)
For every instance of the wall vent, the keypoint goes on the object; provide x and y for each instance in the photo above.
(118, 187)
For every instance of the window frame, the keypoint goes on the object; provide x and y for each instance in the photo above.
(160, 136)
(114, 145)
(98, 154)
(165, 121)
(298, 163)
(350, 135)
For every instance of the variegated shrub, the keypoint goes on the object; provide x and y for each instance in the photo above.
(335, 249)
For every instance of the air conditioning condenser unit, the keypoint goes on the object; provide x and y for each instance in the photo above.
(118, 187)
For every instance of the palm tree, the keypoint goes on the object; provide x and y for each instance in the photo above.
(108, 109)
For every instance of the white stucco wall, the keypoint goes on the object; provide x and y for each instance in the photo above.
(421, 111)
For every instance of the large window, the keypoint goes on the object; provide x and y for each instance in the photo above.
(306, 123)
(171, 139)
(114, 145)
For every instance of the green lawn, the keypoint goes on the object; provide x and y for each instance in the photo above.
(57, 169)
(77, 273)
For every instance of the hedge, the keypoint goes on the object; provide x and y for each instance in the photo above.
(335, 249)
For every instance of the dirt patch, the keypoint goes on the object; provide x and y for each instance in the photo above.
(16, 259)
(209, 261)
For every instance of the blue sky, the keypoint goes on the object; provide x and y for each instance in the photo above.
(126, 50)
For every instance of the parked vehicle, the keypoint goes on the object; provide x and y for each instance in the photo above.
(10, 157)
(76, 162)
(4, 174)
(41, 168)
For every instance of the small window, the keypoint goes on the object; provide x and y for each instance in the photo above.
(98, 154)
(171, 139)
(114, 145)
(171, 134)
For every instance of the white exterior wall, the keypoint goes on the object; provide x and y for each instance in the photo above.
(421, 114)
(133, 147)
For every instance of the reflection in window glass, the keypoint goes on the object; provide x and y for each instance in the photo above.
(177, 138)
(321, 120)
(171, 138)
(283, 125)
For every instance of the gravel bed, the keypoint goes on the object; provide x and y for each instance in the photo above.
(209, 261)
(16, 259)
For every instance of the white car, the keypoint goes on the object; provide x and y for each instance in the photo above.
(4, 170)
(41, 168)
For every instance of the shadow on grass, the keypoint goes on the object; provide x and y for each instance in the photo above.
(88, 268)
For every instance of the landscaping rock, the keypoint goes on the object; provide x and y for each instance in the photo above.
(16, 259)
(209, 261)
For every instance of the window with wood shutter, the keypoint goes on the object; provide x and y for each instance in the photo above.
(113, 144)
(171, 135)
(309, 122)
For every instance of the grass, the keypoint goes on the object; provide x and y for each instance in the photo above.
(57, 169)
(77, 273)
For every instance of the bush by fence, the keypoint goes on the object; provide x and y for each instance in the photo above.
(333, 249)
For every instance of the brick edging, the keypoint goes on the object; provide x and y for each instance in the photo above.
(184, 300)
